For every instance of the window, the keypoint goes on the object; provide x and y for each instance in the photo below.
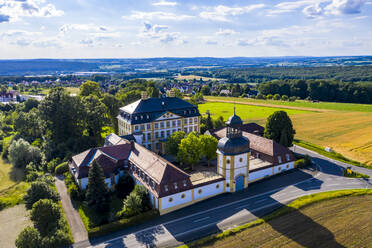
(136, 128)
(166, 188)
(196, 120)
(148, 127)
(135, 118)
(178, 122)
(183, 196)
(156, 125)
(161, 124)
(148, 136)
(142, 127)
(157, 135)
(150, 147)
(280, 168)
(185, 129)
(168, 133)
(288, 157)
(279, 159)
(168, 123)
(227, 185)
(147, 116)
(175, 185)
(157, 146)
(185, 121)
(217, 186)
(240, 160)
(173, 123)
(170, 199)
(141, 117)
(162, 134)
(228, 161)
(200, 191)
(152, 185)
(257, 155)
(184, 183)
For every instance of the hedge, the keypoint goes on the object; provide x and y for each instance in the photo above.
(61, 168)
(123, 223)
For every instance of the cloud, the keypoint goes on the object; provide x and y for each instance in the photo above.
(15, 9)
(313, 11)
(165, 3)
(338, 7)
(244, 43)
(221, 12)
(226, 32)
(82, 27)
(140, 15)
(160, 34)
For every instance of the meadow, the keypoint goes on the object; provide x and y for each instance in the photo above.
(346, 128)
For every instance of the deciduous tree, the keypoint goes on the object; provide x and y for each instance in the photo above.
(279, 128)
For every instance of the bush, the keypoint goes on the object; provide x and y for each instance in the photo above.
(269, 96)
(123, 223)
(37, 191)
(292, 99)
(51, 166)
(260, 96)
(74, 192)
(21, 153)
(62, 168)
(284, 98)
(46, 215)
(29, 238)
(303, 162)
(276, 97)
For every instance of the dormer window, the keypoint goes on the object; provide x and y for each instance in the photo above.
(152, 184)
(279, 159)
(141, 117)
(166, 188)
(175, 185)
(147, 116)
(287, 157)
(135, 118)
(184, 183)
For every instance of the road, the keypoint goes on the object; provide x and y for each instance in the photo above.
(230, 210)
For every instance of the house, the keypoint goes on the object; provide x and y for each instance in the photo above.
(150, 121)
(242, 158)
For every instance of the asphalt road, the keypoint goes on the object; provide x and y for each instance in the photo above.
(230, 210)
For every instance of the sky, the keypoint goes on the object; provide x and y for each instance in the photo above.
(179, 28)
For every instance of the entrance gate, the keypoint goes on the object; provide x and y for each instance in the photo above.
(239, 183)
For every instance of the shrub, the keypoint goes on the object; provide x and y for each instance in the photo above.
(58, 239)
(46, 215)
(269, 96)
(29, 238)
(21, 153)
(124, 186)
(51, 166)
(74, 192)
(303, 162)
(62, 168)
(260, 96)
(276, 97)
(292, 99)
(37, 191)
(285, 98)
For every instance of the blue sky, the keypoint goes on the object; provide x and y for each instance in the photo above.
(159, 28)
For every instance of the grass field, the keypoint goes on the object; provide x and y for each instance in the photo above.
(191, 77)
(12, 220)
(330, 219)
(71, 90)
(299, 104)
(246, 112)
(346, 128)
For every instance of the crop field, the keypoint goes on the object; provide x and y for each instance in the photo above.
(246, 112)
(339, 222)
(192, 77)
(346, 128)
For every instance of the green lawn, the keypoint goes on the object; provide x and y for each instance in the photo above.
(300, 103)
(246, 112)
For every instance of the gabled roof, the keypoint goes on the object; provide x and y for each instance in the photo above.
(156, 167)
(113, 139)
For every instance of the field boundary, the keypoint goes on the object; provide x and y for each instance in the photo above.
(297, 204)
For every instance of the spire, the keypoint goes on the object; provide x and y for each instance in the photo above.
(234, 108)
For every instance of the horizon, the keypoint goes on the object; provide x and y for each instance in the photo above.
(51, 29)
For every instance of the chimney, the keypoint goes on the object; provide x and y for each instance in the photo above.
(172, 93)
(144, 95)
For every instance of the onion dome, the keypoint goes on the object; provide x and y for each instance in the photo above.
(234, 146)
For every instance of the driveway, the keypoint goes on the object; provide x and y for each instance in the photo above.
(77, 227)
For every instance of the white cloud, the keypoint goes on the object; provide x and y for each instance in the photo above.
(165, 3)
(82, 27)
(15, 9)
(338, 7)
(160, 34)
(221, 12)
(313, 11)
(140, 15)
(226, 32)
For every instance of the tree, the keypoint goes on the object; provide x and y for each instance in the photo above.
(37, 191)
(219, 122)
(28, 124)
(178, 93)
(21, 153)
(90, 88)
(236, 90)
(143, 193)
(132, 205)
(209, 147)
(97, 191)
(29, 238)
(276, 97)
(153, 92)
(205, 90)
(94, 116)
(285, 98)
(172, 143)
(190, 150)
(112, 104)
(124, 186)
(279, 128)
(46, 215)
(209, 122)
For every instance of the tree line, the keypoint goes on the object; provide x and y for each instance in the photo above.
(321, 90)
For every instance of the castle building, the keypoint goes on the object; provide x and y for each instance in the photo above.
(150, 121)
(242, 158)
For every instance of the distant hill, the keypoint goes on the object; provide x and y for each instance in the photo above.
(163, 65)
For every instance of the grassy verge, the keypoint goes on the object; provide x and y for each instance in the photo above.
(291, 207)
(355, 174)
(13, 195)
(332, 155)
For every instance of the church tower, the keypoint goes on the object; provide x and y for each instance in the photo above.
(233, 152)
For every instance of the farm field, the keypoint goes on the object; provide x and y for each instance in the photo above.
(246, 112)
(71, 90)
(339, 222)
(12, 220)
(191, 77)
(299, 104)
(348, 132)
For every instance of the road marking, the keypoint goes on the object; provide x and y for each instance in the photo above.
(198, 220)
